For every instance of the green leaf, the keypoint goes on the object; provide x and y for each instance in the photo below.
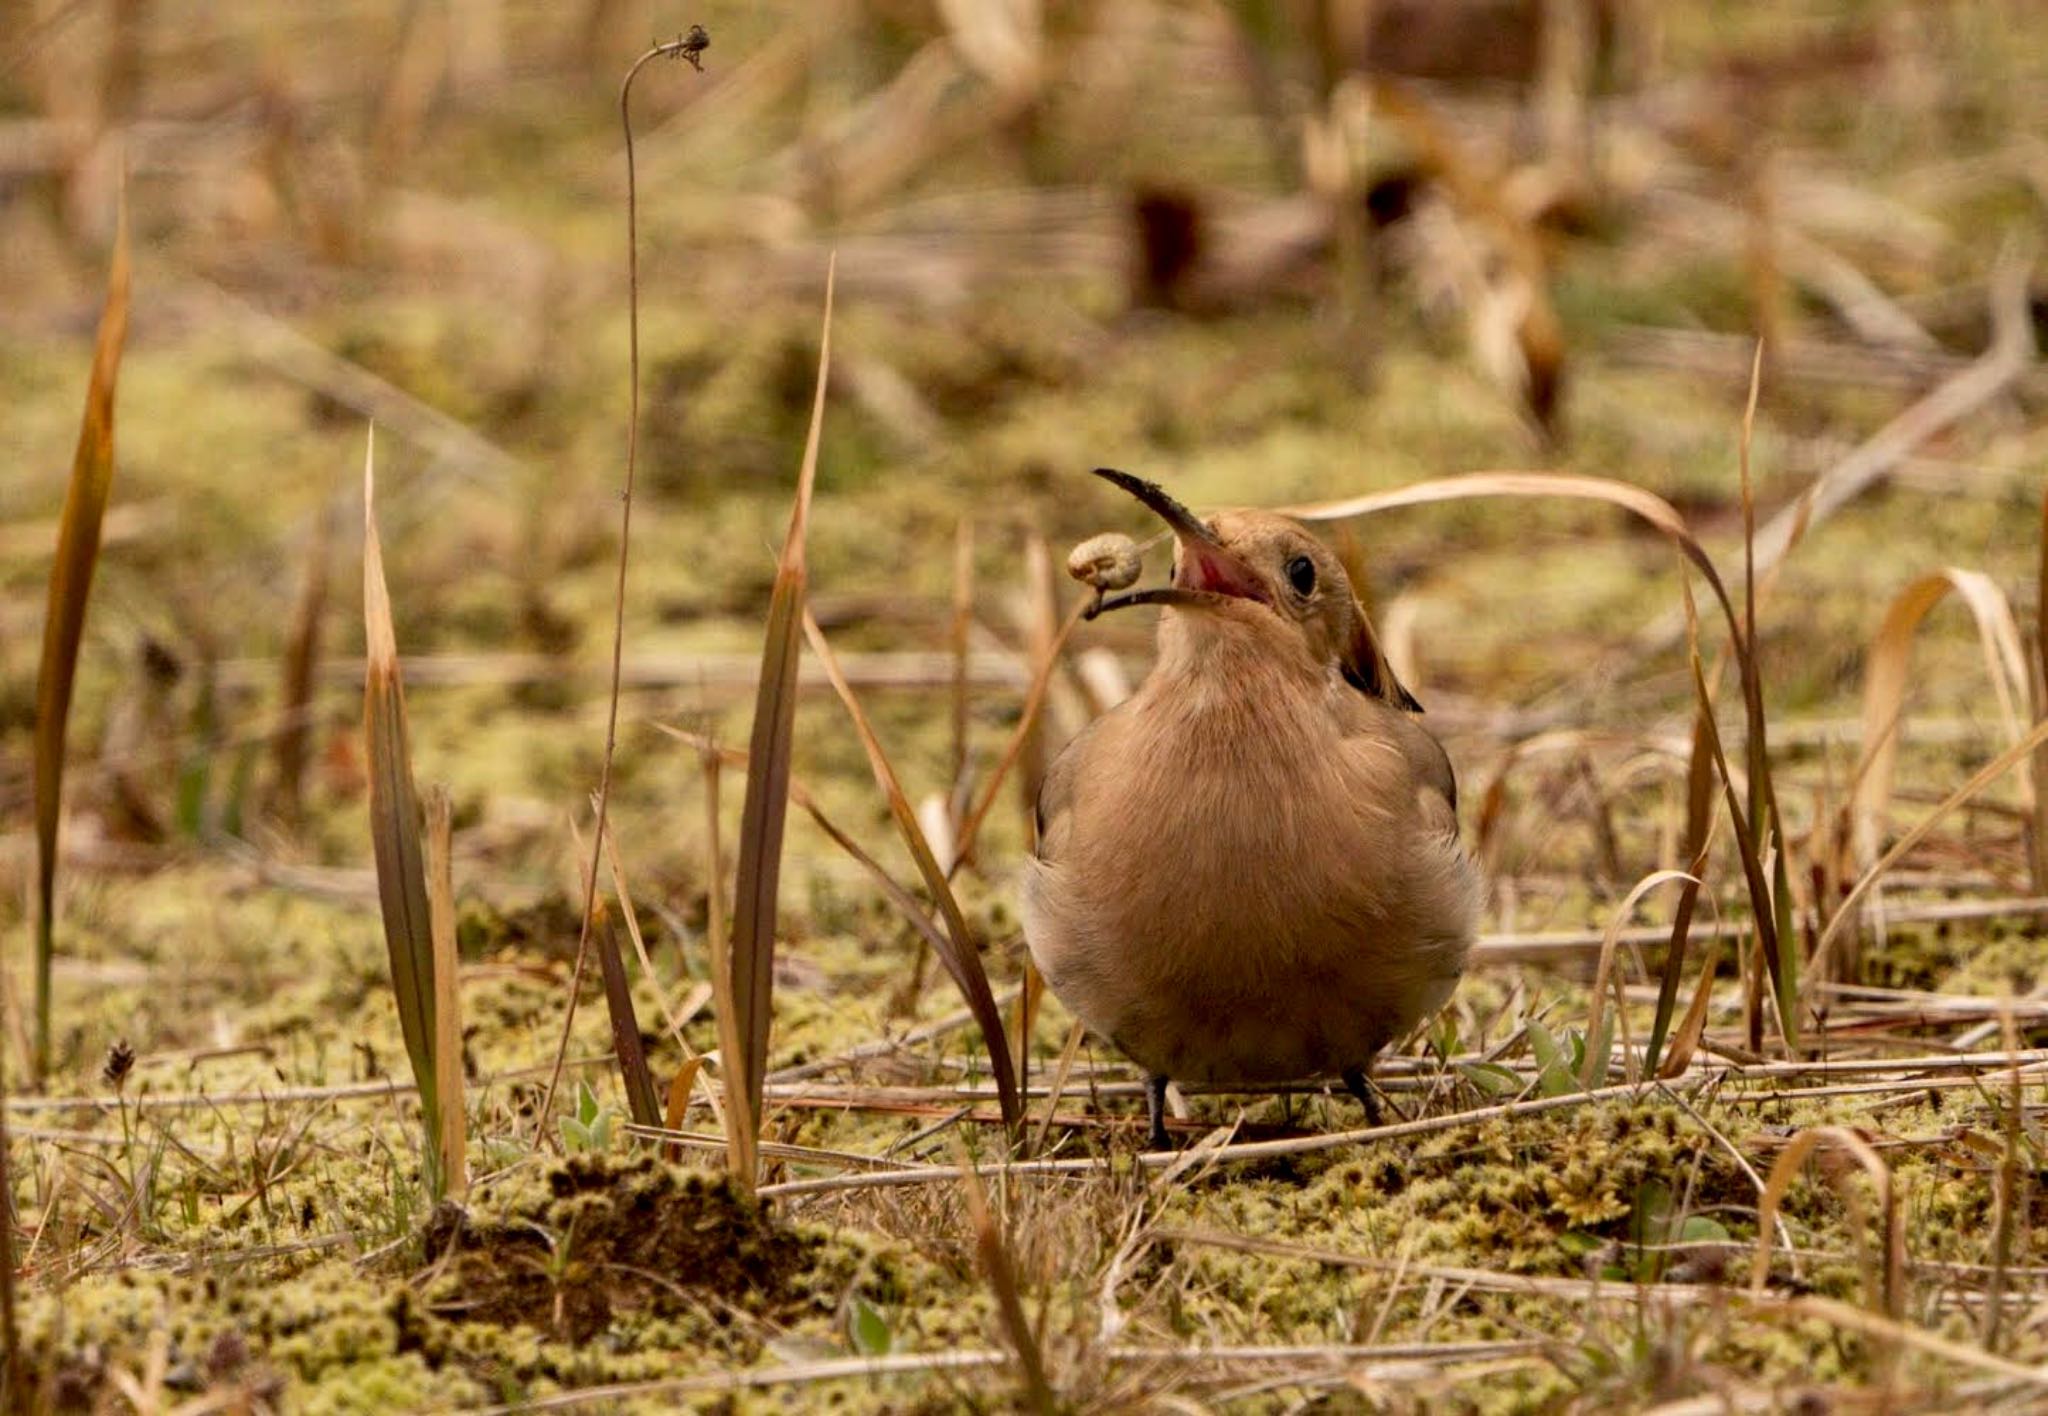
(1490, 1079)
(1555, 1076)
(1650, 1221)
(1698, 1229)
(866, 1329)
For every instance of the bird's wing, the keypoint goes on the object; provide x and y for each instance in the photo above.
(1056, 794)
(1365, 667)
(1374, 727)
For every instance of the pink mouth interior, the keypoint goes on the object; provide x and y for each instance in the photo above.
(1206, 568)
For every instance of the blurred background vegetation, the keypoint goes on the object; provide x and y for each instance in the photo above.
(1263, 251)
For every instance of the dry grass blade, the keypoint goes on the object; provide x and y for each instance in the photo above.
(2038, 677)
(301, 663)
(957, 952)
(742, 1132)
(1762, 913)
(1765, 827)
(453, 1138)
(672, 1114)
(1699, 818)
(642, 1102)
(1595, 1067)
(994, 1254)
(1071, 1049)
(78, 551)
(395, 817)
(1904, 1335)
(766, 808)
(1693, 1026)
(906, 903)
(10, 1339)
(962, 634)
(1887, 1297)
(2006, 1188)
(1040, 613)
(1020, 736)
(1986, 775)
(2010, 355)
(1886, 679)
(617, 866)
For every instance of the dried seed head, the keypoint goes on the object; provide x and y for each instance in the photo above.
(1107, 562)
(120, 1062)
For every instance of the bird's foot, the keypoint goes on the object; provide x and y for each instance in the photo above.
(1358, 1086)
(1156, 1138)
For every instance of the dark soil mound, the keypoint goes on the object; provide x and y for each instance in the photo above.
(614, 1238)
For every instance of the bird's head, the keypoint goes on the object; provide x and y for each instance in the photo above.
(1263, 577)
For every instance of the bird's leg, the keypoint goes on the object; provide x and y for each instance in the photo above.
(1155, 1112)
(1356, 1084)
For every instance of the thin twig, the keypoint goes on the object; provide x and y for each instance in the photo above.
(1243, 1151)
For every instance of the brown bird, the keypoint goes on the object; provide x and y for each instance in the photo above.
(1249, 870)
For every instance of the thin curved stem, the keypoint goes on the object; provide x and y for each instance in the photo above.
(686, 47)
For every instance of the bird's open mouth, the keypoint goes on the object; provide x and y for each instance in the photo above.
(1206, 572)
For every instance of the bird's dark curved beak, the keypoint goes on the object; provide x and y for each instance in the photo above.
(1185, 523)
(1206, 572)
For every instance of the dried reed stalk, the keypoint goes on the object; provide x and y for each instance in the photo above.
(71, 571)
(395, 823)
(2008, 1186)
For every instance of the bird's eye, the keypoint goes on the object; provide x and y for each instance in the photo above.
(1301, 574)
